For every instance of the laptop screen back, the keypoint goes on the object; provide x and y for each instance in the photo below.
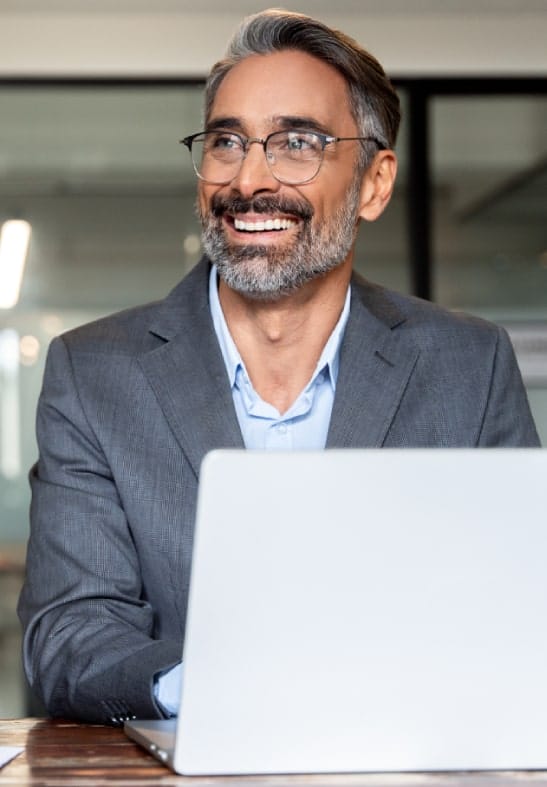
(367, 610)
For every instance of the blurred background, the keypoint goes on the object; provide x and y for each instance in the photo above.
(94, 97)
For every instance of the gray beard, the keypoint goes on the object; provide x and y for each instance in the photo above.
(267, 273)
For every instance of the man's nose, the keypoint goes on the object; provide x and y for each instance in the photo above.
(254, 174)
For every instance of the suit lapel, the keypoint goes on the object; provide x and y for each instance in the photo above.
(376, 362)
(187, 372)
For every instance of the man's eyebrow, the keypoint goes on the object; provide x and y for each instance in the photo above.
(224, 122)
(301, 121)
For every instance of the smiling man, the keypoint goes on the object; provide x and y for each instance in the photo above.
(270, 342)
(285, 175)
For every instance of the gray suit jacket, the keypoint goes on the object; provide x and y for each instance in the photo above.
(130, 405)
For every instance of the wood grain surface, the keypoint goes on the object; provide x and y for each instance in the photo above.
(67, 754)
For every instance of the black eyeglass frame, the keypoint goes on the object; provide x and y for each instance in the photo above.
(325, 139)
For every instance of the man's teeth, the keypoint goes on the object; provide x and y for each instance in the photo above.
(261, 226)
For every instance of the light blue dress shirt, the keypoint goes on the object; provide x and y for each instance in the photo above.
(303, 426)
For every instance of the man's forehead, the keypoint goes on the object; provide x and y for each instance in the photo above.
(282, 85)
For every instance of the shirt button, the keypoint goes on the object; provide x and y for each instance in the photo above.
(282, 429)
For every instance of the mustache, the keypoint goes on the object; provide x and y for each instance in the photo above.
(300, 208)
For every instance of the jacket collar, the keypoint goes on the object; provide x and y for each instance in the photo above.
(188, 376)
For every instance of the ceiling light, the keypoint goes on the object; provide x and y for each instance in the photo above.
(14, 240)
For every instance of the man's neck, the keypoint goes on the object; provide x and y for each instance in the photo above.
(281, 341)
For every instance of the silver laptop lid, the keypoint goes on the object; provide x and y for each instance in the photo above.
(367, 610)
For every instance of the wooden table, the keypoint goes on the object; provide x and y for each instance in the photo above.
(66, 754)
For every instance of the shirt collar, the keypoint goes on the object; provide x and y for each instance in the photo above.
(230, 353)
(329, 359)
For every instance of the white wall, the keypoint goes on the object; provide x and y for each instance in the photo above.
(82, 42)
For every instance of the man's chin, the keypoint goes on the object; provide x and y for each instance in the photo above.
(257, 281)
(262, 280)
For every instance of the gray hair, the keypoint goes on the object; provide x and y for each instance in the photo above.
(373, 101)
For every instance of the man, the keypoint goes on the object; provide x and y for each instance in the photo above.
(276, 346)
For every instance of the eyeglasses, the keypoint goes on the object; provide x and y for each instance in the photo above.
(294, 157)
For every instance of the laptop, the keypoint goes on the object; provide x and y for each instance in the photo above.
(364, 611)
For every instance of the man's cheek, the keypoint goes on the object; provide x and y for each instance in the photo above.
(203, 202)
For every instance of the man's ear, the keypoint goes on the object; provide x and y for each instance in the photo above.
(377, 185)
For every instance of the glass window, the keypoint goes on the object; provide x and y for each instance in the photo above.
(489, 156)
(489, 168)
(109, 193)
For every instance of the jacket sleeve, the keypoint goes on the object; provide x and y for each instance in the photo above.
(507, 418)
(89, 651)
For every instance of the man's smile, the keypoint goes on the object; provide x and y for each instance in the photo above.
(261, 225)
(264, 215)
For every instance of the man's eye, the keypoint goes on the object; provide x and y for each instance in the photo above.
(302, 142)
(225, 142)
(299, 144)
